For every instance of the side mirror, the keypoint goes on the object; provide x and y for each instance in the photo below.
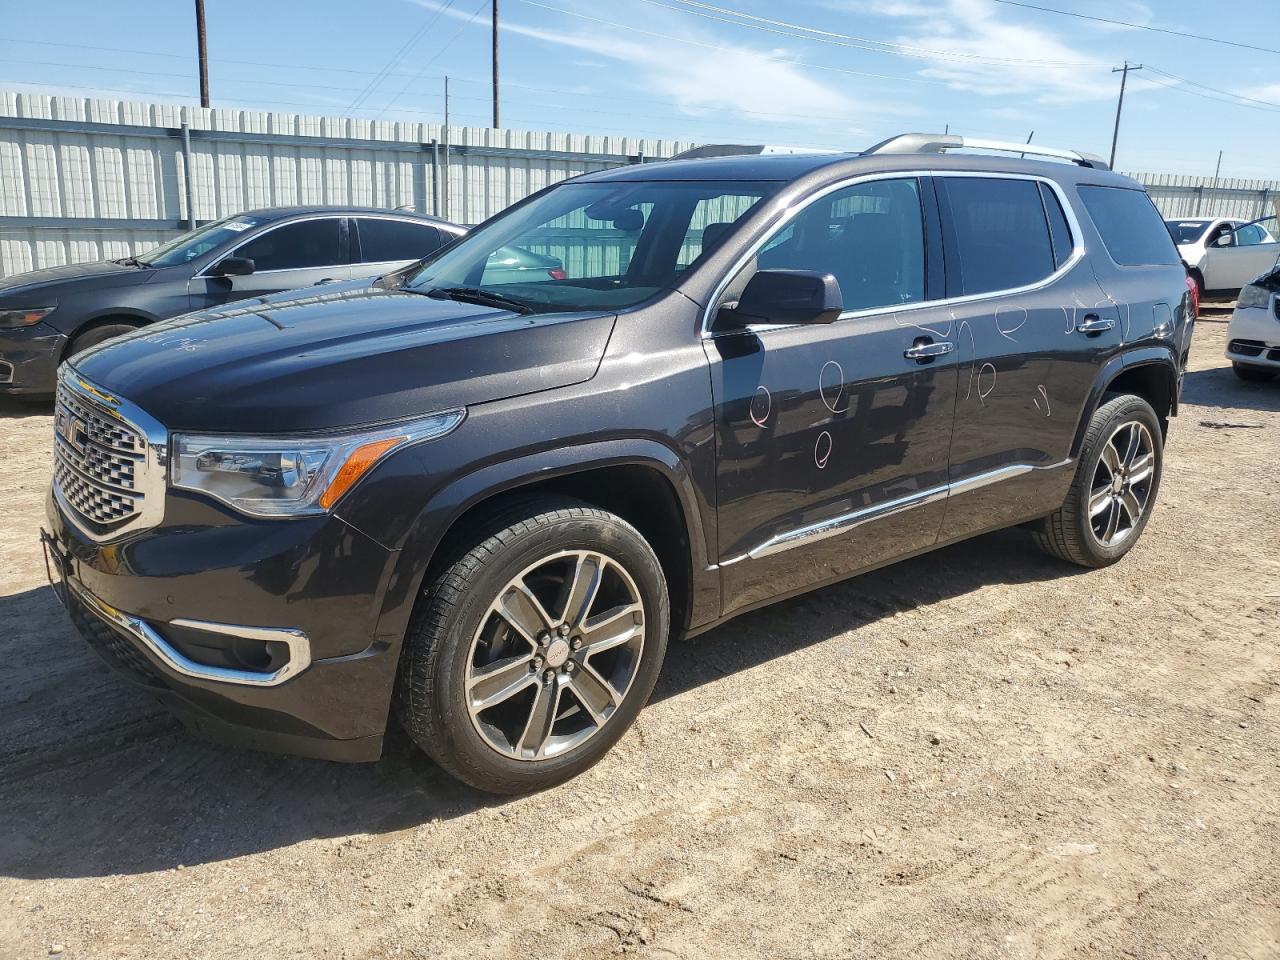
(1225, 239)
(234, 267)
(787, 296)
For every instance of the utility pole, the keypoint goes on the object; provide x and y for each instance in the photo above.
(446, 146)
(203, 47)
(495, 64)
(1124, 76)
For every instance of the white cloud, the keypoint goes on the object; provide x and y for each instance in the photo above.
(706, 75)
(979, 51)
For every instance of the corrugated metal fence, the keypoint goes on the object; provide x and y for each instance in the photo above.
(85, 179)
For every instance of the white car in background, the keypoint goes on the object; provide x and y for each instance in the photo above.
(1253, 336)
(1225, 253)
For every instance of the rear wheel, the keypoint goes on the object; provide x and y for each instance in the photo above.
(531, 654)
(1251, 374)
(1114, 489)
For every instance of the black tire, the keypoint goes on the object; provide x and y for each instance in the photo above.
(431, 698)
(1251, 374)
(1069, 533)
(96, 335)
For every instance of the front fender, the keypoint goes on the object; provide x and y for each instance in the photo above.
(427, 529)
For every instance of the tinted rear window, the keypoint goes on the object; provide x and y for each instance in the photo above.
(1130, 226)
(999, 232)
(385, 240)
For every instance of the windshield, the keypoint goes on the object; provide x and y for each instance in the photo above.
(586, 246)
(1186, 231)
(198, 242)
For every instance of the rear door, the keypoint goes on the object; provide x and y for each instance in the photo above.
(831, 441)
(1253, 251)
(382, 245)
(1032, 330)
(286, 256)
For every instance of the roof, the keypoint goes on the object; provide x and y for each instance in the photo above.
(789, 167)
(279, 213)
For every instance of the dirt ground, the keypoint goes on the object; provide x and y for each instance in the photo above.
(978, 753)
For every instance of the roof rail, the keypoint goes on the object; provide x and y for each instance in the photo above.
(939, 142)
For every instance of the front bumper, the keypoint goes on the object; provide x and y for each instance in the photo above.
(1253, 336)
(29, 358)
(173, 607)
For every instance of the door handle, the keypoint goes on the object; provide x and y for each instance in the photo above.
(923, 351)
(1095, 324)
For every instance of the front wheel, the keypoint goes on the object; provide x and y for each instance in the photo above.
(1114, 489)
(531, 654)
(1251, 374)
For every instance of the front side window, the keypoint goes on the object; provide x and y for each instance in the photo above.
(1249, 235)
(869, 236)
(198, 242)
(295, 246)
(382, 241)
(583, 246)
(999, 233)
(1131, 228)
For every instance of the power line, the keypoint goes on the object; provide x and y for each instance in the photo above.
(1228, 93)
(395, 60)
(1137, 26)
(768, 25)
(448, 43)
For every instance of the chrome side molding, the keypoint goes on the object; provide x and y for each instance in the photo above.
(843, 523)
(297, 642)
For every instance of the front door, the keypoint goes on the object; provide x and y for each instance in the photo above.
(831, 441)
(290, 256)
(1252, 252)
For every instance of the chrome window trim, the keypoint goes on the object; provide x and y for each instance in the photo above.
(791, 211)
(203, 273)
(151, 484)
(173, 658)
(843, 523)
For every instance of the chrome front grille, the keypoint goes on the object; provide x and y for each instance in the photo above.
(107, 469)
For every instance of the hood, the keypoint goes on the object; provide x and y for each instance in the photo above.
(47, 279)
(352, 354)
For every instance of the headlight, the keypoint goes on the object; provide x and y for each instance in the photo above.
(291, 476)
(1253, 296)
(23, 316)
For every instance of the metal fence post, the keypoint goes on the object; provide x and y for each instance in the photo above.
(435, 177)
(186, 175)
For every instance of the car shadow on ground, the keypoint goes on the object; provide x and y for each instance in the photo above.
(1219, 387)
(13, 408)
(96, 780)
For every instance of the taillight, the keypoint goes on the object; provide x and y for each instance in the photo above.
(555, 273)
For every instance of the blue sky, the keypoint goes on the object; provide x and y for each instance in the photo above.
(822, 73)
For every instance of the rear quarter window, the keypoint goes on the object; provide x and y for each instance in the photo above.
(1130, 226)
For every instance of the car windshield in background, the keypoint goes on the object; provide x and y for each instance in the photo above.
(198, 242)
(594, 246)
(1186, 231)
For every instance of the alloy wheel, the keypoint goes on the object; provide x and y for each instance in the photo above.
(1122, 483)
(555, 655)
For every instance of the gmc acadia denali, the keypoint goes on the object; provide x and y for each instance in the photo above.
(484, 500)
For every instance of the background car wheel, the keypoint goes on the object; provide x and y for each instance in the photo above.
(534, 650)
(1114, 489)
(1251, 374)
(96, 335)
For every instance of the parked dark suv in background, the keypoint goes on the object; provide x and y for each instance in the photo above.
(487, 504)
(51, 314)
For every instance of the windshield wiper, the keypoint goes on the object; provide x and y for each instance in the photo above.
(486, 298)
(129, 262)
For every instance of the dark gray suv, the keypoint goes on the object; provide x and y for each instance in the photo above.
(484, 499)
(51, 314)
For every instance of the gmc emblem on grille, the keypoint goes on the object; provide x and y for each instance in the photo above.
(72, 430)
